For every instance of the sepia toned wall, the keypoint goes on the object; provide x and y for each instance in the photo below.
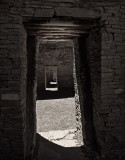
(105, 58)
(58, 54)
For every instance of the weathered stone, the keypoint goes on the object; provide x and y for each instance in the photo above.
(10, 97)
(27, 11)
(119, 91)
(77, 12)
(59, 54)
(102, 75)
(44, 13)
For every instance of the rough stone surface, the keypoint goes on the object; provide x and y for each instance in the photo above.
(60, 55)
(107, 75)
(76, 12)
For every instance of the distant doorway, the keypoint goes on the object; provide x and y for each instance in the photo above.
(84, 72)
(51, 78)
(56, 113)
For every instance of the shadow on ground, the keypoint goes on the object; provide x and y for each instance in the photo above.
(46, 150)
(43, 95)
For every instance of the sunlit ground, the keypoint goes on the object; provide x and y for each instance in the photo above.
(56, 121)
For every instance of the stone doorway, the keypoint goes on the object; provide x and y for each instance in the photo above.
(51, 82)
(81, 75)
(56, 117)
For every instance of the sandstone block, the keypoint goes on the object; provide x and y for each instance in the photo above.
(119, 91)
(44, 13)
(77, 12)
(10, 97)
(27, 11)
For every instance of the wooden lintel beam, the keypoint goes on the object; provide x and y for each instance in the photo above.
(53, 40)
(58, 27)
(51, 24)
(58, 32)
(59, 36)
(59, 24)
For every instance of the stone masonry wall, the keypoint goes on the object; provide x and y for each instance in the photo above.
(78, 89)
(112, 81)
(109, 115)
(110, 122)
(93, 72)
(85, 92)
(11, 106)
(31, 87)
(60, 55)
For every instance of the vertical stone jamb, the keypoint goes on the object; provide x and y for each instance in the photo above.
(76, 72)
(83, 95)
(32, 50)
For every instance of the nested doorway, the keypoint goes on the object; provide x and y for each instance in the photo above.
(83, 90)
(51, 82)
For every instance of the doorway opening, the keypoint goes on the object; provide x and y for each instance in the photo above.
(56, 114)
(78, 35)
(51, 83)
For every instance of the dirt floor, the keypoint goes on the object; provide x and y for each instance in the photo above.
(55, 114)
(56, 127)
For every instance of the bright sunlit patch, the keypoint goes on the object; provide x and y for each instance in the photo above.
(51, 89)
(53, 82)
(56, 121)
(65, 138)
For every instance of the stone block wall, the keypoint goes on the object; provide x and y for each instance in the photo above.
(78, 89)
(11, 106)
(87, 85)
(31, 88)
(112, 79)
(108, 112)
(107, 116)
(93, 77)
(56, 54)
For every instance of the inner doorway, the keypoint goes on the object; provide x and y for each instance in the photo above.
(31, 83)
(51, 78)
(56, 114)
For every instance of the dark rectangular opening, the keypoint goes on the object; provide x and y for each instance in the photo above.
(51, 83)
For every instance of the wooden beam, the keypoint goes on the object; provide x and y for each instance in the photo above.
(60, 23)
(59, 36)
(58, 32)
(54, 40)
(58, 27)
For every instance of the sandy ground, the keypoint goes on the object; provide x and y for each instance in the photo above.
(65, 138)
(55, 114)
(56, 121)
